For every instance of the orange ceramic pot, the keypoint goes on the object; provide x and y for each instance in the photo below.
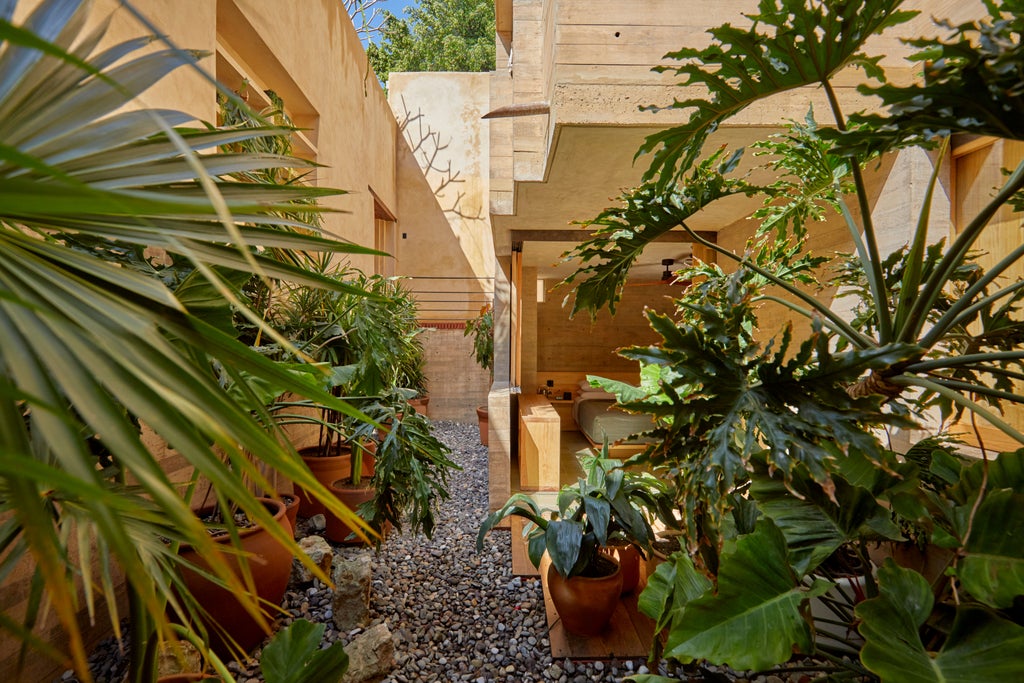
(327, 470)
(481, 417)
(351, 496)
(270, 565)
(585, 604)
(291, 509)
(420, 405)
(628, 558)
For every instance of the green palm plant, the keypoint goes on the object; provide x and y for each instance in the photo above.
(774, 446)
(90, 350)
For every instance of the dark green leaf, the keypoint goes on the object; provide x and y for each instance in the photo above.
(993, 569)
(563, 539)
(294, 656)
(754, 619)
(791, 43)
(981, 647)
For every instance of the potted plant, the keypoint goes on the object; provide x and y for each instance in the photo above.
(68, 387)
(411, 468)
(482, 329)
(369, 336)
(773, 448)
(227, 626)
(609, 505)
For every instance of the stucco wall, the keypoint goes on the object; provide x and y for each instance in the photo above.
(448, 255)
(457, 384)
(446, 141)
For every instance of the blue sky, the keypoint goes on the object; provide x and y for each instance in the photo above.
(396, 7)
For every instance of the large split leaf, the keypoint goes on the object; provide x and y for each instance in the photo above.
(973, 86)
(294, 656)
(644, 214)
(754, 620)
(993, 569)
(815, 524)
(791, 43)
(981, 646)
(674, 584)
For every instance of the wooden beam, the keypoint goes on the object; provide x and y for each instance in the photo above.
(503, 18)
(521, 109)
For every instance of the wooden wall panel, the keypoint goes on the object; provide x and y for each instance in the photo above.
(976, 175)
(578, 346)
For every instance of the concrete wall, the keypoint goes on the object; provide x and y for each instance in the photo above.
(444, 149)
(457, 384)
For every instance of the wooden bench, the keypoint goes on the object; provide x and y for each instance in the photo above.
(539, 444)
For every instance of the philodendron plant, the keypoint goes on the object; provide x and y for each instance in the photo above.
(773, 447)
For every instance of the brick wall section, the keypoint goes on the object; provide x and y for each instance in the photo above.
(456, 383)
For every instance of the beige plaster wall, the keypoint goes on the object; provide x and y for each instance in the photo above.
(315, 56)
(448, 252)
(446, 142)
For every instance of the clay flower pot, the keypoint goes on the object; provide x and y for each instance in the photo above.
(270, 566)
(328, 469)
(481, 417)
(585, 604)
(352, 496)
(628, 558)
(420, 404)
(291, 509)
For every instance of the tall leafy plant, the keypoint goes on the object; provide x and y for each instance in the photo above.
(90, 350)
(773, 445)
(481, 328)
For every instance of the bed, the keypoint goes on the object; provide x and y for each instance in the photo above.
(598, 419)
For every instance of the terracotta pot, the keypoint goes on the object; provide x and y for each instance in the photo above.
(481, 417)
(326, 470)
(270, 566)
(628, 558)
(419, 404)
(585, 604)
(352, 496)
(931, 561)
(291, 509)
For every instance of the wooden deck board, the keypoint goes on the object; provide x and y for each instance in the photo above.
(628, 634)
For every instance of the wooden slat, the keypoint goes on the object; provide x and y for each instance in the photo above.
(521, 565)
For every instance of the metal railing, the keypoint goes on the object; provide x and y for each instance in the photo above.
(443, 297)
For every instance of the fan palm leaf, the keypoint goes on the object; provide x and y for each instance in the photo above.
(90, 350)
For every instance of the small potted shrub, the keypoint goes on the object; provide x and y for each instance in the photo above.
(638, 499)
(482, 329)
(410, 472)
(585, 583)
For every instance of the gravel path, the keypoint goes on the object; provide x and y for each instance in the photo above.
(454, 615)
(459, 616)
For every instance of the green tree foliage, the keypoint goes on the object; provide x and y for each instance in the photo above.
(437, 35)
